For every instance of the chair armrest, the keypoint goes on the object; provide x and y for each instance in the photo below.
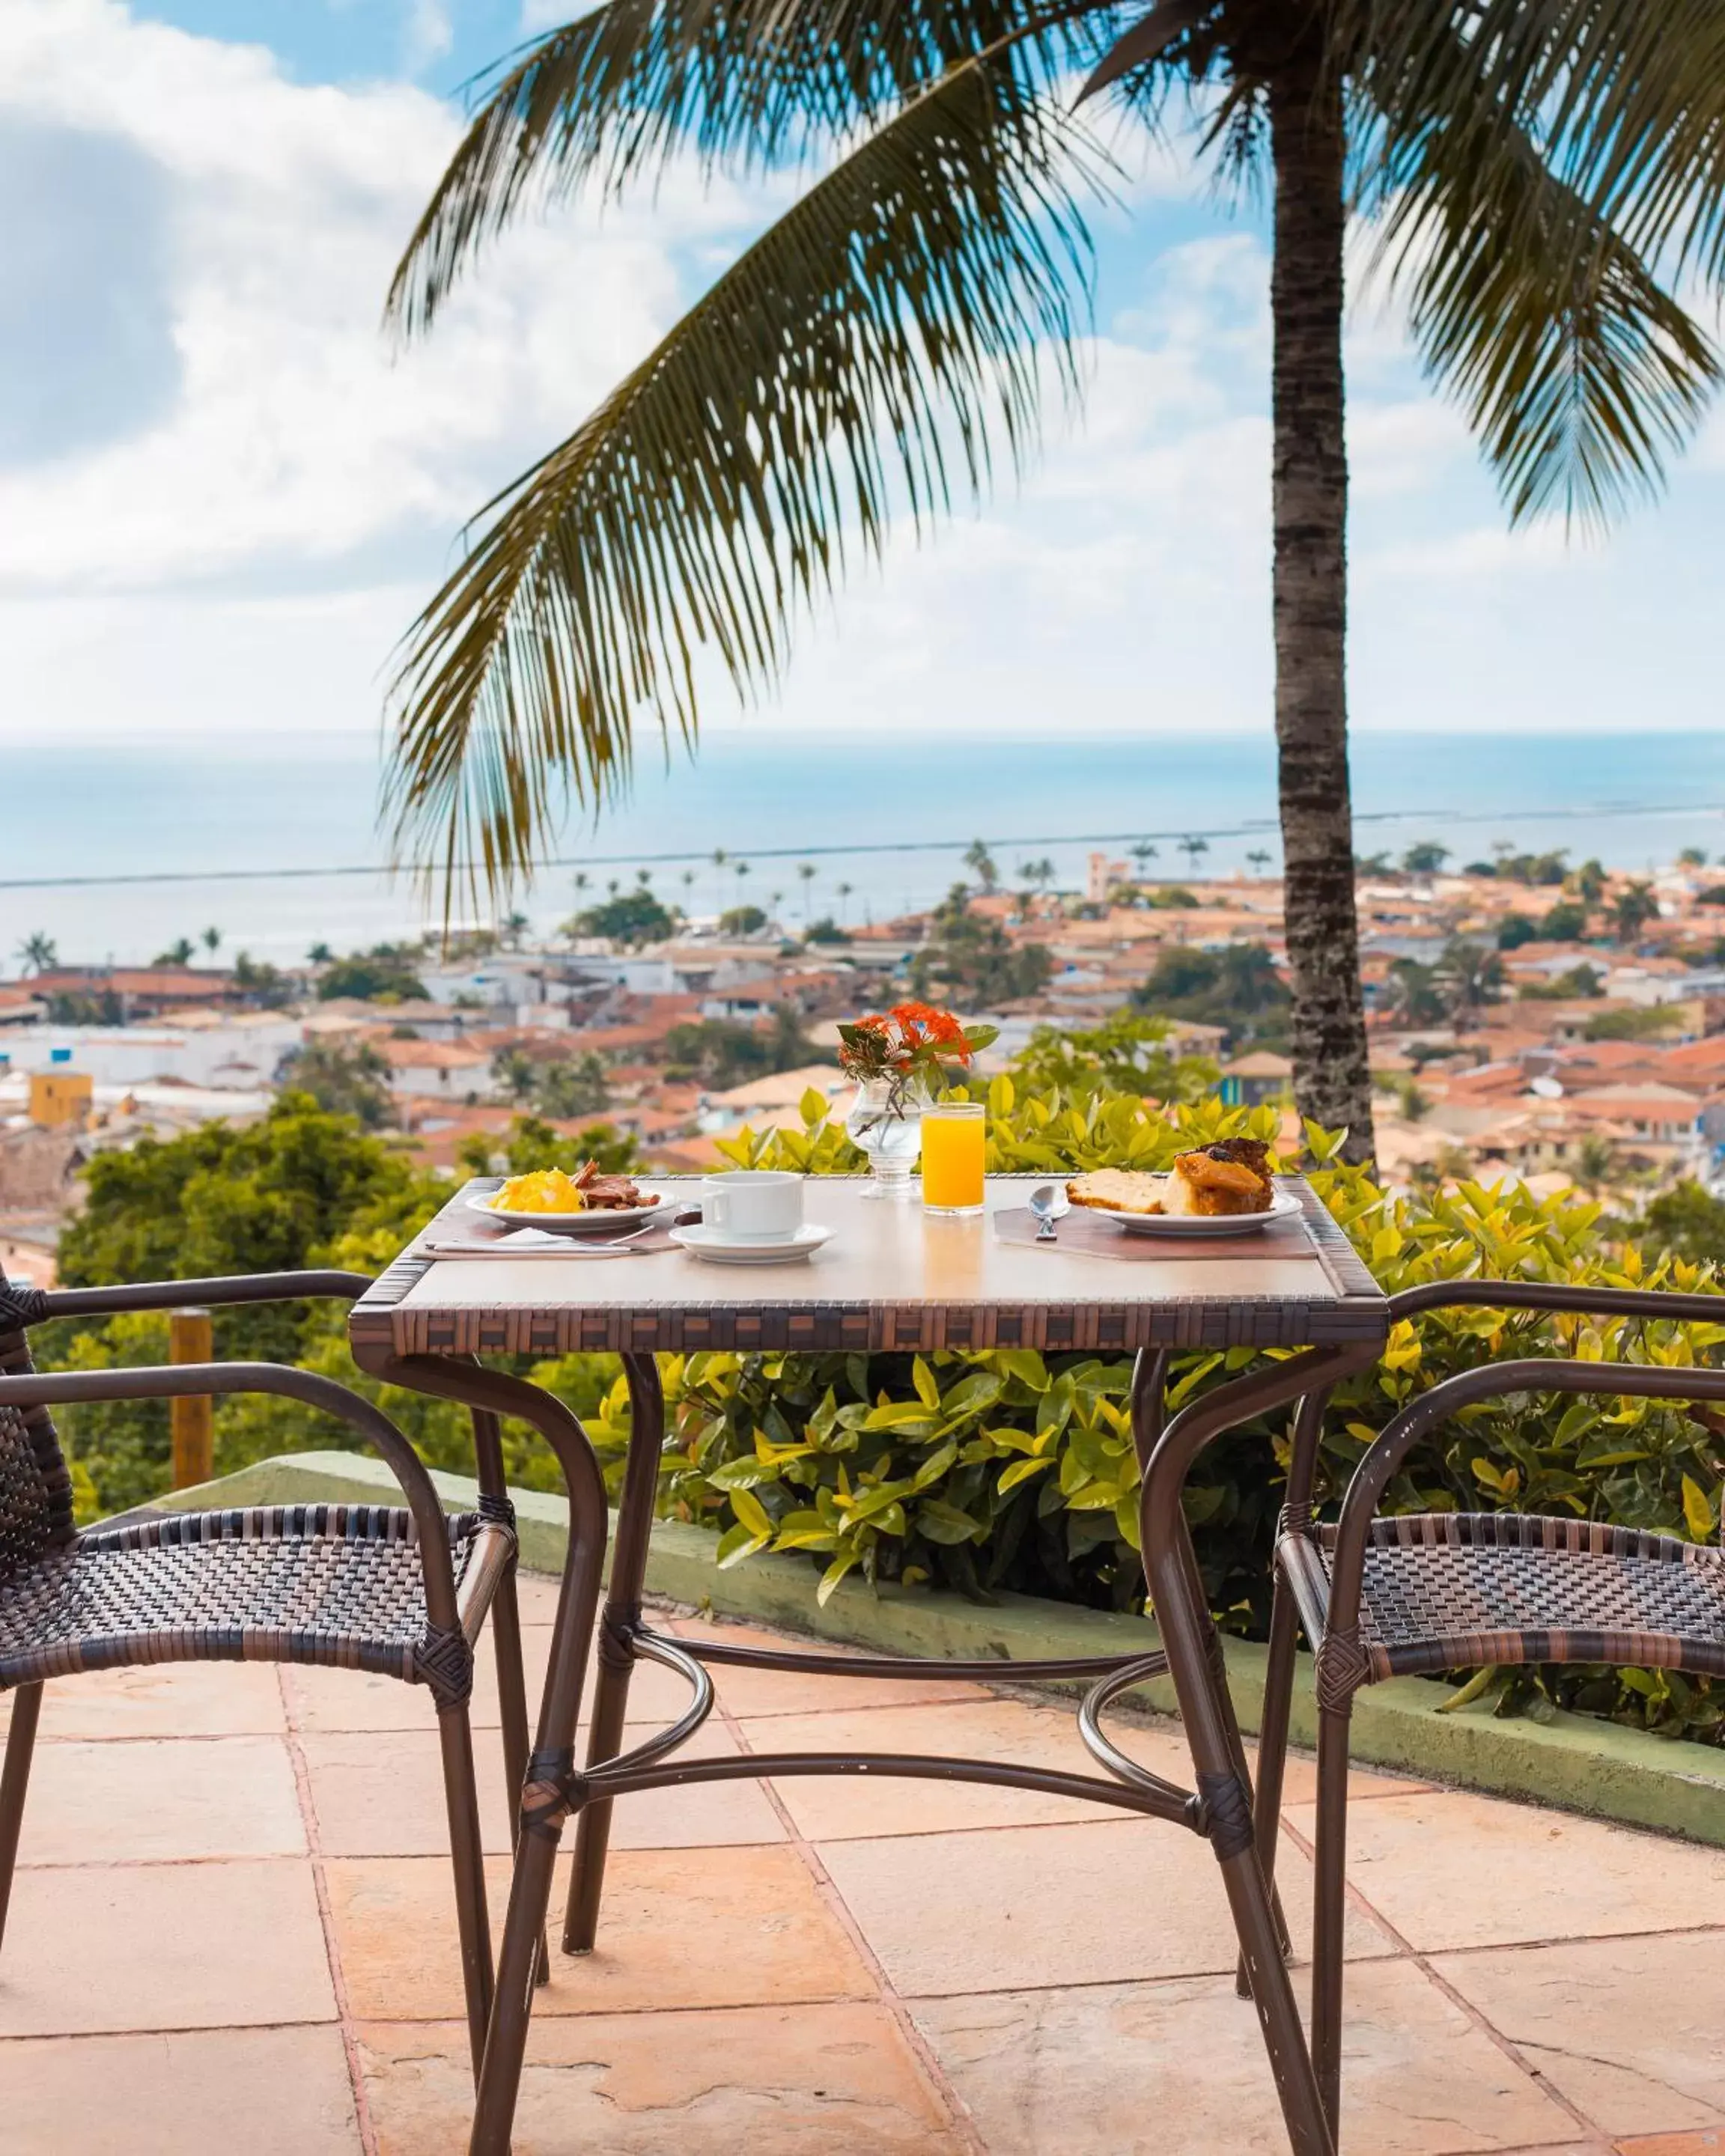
(1420, 1416)
(192, 1380)
(171, 1294)
(1559, 1296)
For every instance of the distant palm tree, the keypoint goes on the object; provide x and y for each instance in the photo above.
(1592, 1162)
(1191, 848)
(720, 858)
(40, 952)
(1260, 858)
(844, 891)
(1632, 910)
(1143, 853)
(981, 863)
(808, 871)
(212, 941)
(643, 877)
(1533, 172)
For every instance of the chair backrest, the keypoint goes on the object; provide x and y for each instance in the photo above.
(35, 1487)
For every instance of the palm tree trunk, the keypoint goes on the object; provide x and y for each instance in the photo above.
(1309, 507)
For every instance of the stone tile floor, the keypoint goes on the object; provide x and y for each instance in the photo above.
(232, 1930)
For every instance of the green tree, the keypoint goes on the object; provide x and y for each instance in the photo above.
(387, 970)
(1631, 911)
(1689, 1221)
(1470, 975)
(720, 1053)
(969, 959)
(1566, 922)
(1414, 996)
(1425, 858)
(38, 953)
(1692, 857)
(1532, 172)
(176, 954)
(825, 930)
(981, 863)
(1237, 987)
(1589, 882)
(1515, 930)
(532, 1143)
(1128, 1054)
(212, 941)
(571, 1088)
(741, 921)
(632, 918)
(342, 1080)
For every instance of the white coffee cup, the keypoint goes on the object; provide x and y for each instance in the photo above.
(754, 1205)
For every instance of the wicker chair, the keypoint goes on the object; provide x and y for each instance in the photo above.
(402, 1592)
(1405, 1594)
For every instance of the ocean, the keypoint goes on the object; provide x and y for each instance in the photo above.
(890, 817)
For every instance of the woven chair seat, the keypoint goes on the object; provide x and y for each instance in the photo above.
(336, 1584)
(1464, 1590)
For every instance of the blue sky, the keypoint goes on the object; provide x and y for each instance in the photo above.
(223, 498)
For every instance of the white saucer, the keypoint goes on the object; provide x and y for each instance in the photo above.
(720, 1249)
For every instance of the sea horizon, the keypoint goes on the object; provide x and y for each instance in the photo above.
(295, 820)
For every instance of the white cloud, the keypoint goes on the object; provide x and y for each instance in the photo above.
(297, 434)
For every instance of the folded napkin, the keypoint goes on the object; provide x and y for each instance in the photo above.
(540, 1243)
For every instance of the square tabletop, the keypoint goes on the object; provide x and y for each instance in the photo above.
(892, 1277)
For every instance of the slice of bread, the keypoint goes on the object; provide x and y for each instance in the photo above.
(1118, 1190)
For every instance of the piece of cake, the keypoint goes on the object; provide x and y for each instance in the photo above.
(1118, 1190)
(1247, 1152)
(1201, 1184)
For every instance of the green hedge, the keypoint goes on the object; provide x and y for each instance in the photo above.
(1010, 1468)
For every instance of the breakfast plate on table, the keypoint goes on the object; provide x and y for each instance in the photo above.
(585, 1204)
(719, 1247)
(1221, 1189)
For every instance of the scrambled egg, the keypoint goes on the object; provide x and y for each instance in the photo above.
(547, 1190)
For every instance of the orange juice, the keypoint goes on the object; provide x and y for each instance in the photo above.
(952, 1136)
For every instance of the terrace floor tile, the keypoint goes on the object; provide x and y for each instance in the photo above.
(751, 1693)
(679, 1929)
(166, 1699)
(1450, 1870)
(163, 1946)
(1419, 2079)
(381, 1794)
(808, 2080)
(183, 2092)
(1628, 2029)
(151, 1801)
(1106, 1902)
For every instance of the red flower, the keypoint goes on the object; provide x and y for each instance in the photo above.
(923, 1023)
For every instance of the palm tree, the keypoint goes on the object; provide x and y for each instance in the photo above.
(844, 891)
(40, 952)
(1632, 910)
(1143, 853)
(1191, 848)
(808, 871)
(1260, 858)
(981, 863)
(1533, 172)
(720, 858)
(212, 941)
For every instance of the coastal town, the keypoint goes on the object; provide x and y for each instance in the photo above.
(1529, 1017)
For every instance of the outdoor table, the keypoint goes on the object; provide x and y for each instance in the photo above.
(892, 1278)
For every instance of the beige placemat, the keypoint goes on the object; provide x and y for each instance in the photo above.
(1094, 1236)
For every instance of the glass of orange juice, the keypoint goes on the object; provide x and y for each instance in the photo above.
(952, 1140)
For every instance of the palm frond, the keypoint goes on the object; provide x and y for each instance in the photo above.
(1624, 99)
(870, 351)
(610, 98)
(1577, 369)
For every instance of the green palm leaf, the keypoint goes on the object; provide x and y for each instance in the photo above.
(1576, 369)
(869, 351)
(611, 97)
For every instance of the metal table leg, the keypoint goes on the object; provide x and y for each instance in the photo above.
(619, 1623)
(1212, 1733)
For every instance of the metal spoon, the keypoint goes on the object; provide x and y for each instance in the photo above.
(1046, 1203)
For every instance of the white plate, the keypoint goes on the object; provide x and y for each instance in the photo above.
(1282, 1207)
(719, 1249)
(596, 1223)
